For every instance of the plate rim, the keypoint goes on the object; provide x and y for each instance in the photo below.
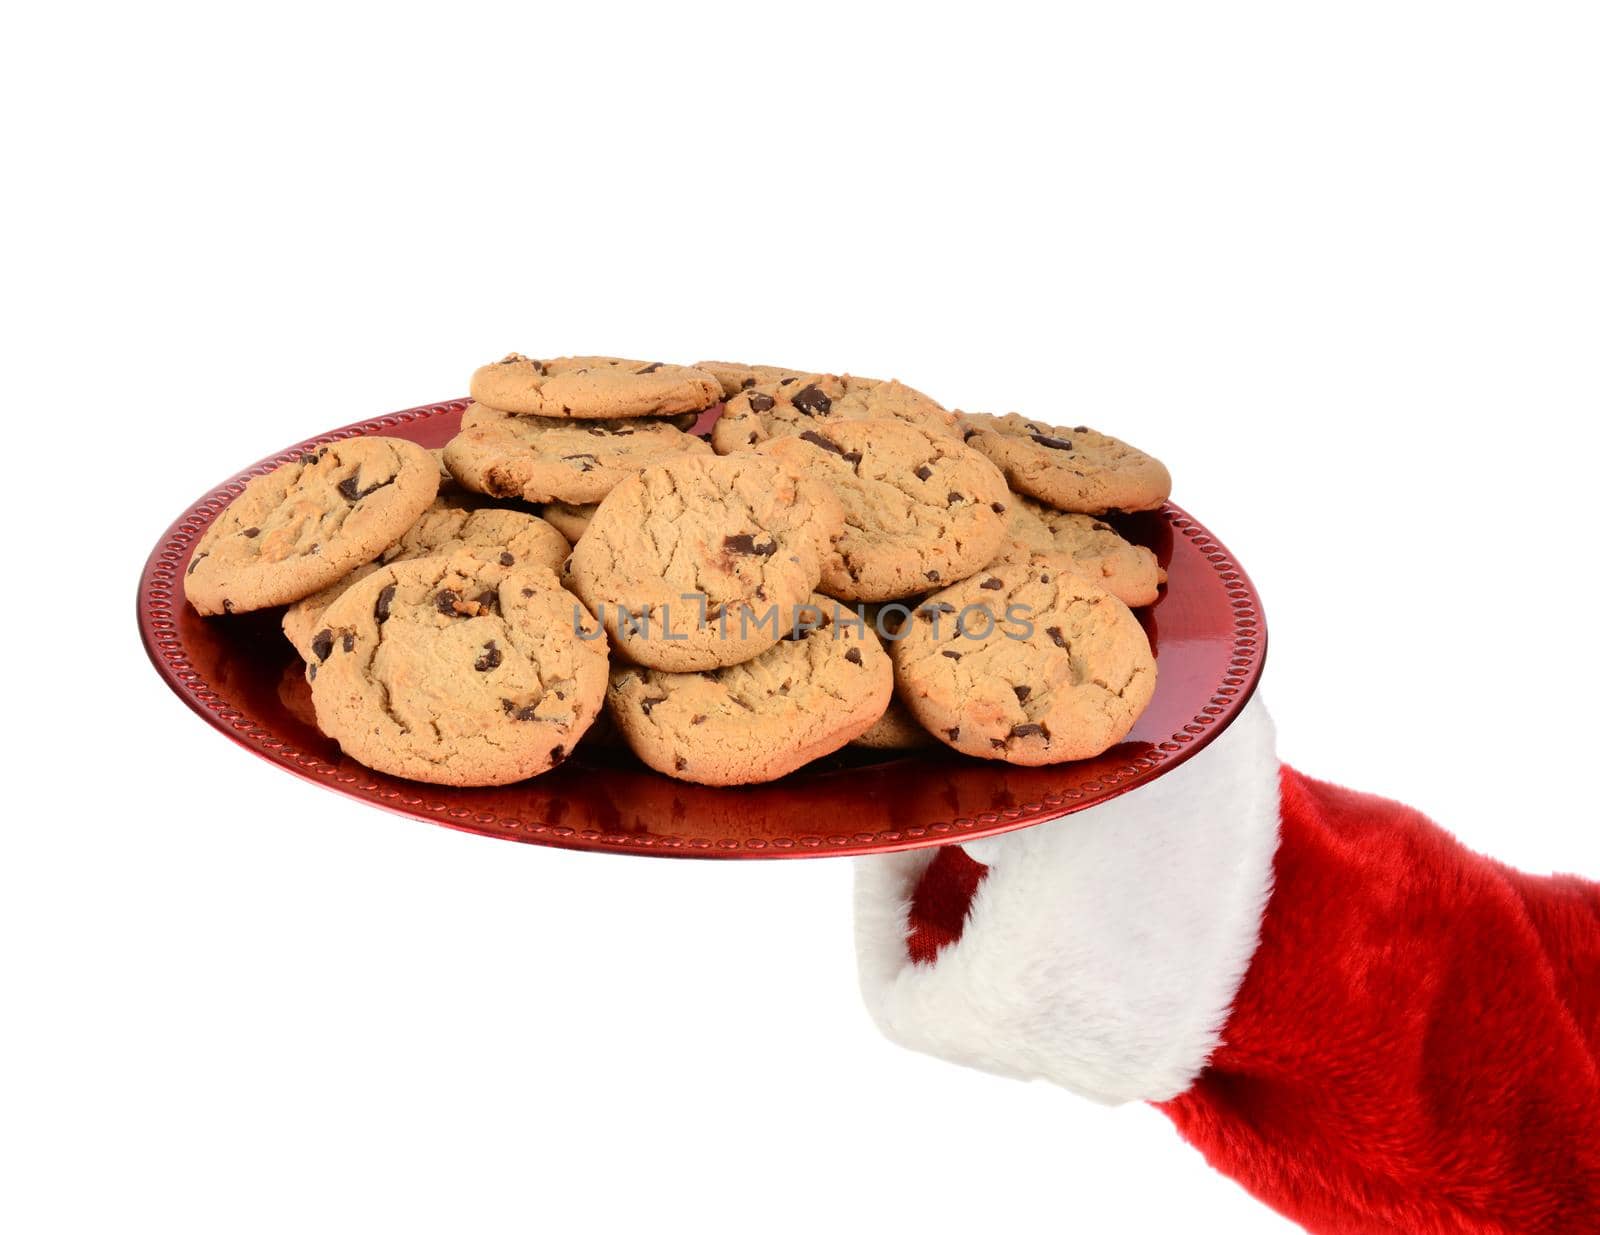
(161, 588)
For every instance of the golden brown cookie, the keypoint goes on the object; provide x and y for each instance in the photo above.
(921, 510)
(503, 538)
(456, 671)
(1025, 662)
(309, 522)
(699, 562)
(1070, 469)
(790, 407)
(737, 377)
(539, 459)
(1097, 550)
(571, 521)
(593, 387)
(799, 700)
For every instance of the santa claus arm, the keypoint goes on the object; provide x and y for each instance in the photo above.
(1367, 1025)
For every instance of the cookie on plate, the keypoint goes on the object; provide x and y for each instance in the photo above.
(896, 729)
(544, 460)
(700, 562)
(308, 522)
(593, 387)
(1097, 550)
(1070, 469)
(571, 521)
(457, 671)
(737, 377)
(803, 698)
(921, 510)
(506, 538)
(783, 409)
(1026, 662)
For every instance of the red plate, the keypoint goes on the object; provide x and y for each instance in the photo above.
(241, 676)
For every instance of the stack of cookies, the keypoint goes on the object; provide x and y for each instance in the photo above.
(843, 561)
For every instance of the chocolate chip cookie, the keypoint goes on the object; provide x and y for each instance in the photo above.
(1070, 469)
(1025, 662)
(571, 521)
(502, 538)
(456, 671)
(700, 562)
(593, 387)
(921, 510)
(788, 408)
(800, 699)
(737, 377)
(539, 459)
(1097, 550)
(309, 522)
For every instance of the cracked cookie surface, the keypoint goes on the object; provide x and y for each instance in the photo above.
(456, 671)
(920, 509)
(1073, 469)
(539, 459)
(308, 522)
(504, 538)
(593, 387)
(686, 561)
(1063, 673)
(1097, 550)
(756, 721)
(790, 407)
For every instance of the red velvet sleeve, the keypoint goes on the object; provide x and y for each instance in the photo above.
(1415, 1044)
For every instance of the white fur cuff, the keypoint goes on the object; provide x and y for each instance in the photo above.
(1103, 951)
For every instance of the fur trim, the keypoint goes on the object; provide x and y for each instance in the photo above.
(1101, 952)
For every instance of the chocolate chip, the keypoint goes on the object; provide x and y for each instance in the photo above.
(853, 656)
(923, 472)
(649, 701)
(446, 601)
(762, 402)
(1054, 443)
(812, 402)
(527, 591)
(251, 532)
(747, 383)
(999, 508)
(1022, 693)
(746, 545)
(489, 599)
(227, 606)
(951, 655)
(953, 733)
(926, 612)
(1056, 636)
(991, 584)
(557, 755)
(1081, 429)
(1026, 731)
(195, 561)
(526, 712)
(753, 437)
(507, 560)
(697, 720)
(311, 673)
(350, 487)
(832, 447)
(997, 743)
(490, 659)
(381, 609)
(932, 576)
(348, 642)
(1101, 527)
(322, 644)
(594, 432)
(952, 498)
(649, 368)
(586, 463)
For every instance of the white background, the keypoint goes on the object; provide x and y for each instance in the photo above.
(1336, 264)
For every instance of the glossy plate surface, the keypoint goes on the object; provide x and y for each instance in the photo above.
(243, 678)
